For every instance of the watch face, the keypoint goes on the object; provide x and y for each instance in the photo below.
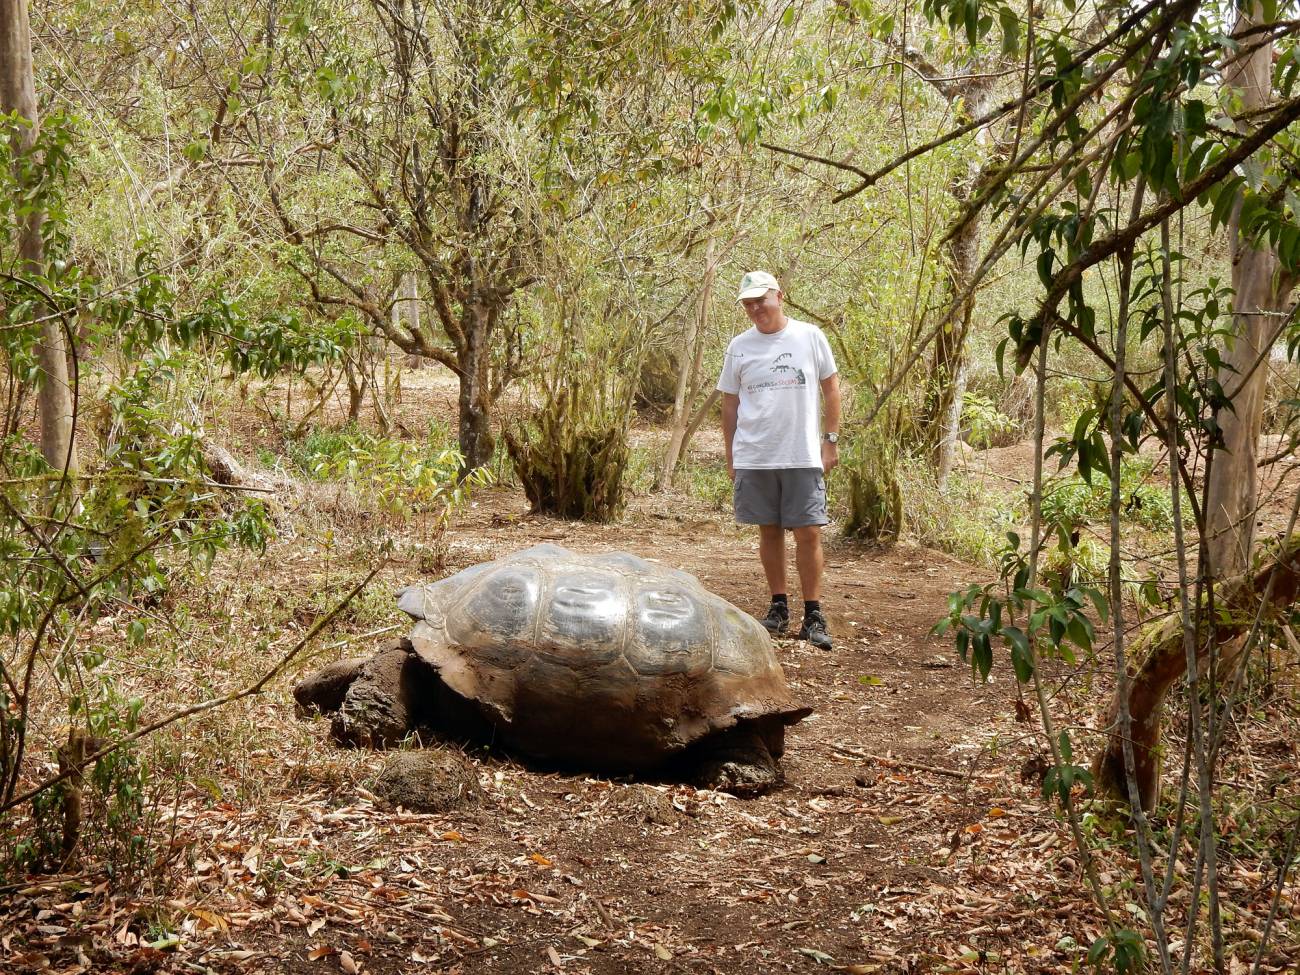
(832, 438)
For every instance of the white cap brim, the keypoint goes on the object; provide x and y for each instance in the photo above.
(753, 293)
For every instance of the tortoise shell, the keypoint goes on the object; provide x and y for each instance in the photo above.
(607, 660)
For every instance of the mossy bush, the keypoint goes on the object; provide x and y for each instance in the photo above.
(571, 455)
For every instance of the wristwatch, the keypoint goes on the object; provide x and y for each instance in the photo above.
(831, 437)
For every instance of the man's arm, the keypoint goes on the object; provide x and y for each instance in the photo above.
(830, 420)
(730, 407)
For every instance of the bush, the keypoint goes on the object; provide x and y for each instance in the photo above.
(873, 494)
(397, 476)
(966, 520)
(571, 457)
(984, 425)
(710, 483)
(1074, 502)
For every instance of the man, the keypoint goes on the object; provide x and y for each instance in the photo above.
(773, 377)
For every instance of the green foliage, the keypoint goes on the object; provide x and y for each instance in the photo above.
(1060, 780)
(983, 423)
(966, 520)
(710, 483)
(1073, 501)
(572, 455)
(117, 782)
(1054, 621)
(110, 794)
(869, 466)
(400, 477)
(1122, 952)
(142, 513)
(642, 464)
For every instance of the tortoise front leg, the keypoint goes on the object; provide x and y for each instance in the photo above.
(738, 761)
(377, 700)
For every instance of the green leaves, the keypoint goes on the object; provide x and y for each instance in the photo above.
(976, 21)
(1087, 444)
(1022, 660)
(978, 617)
(1061, 779)
(394, 475)
(1009, 20)
(1122, 952)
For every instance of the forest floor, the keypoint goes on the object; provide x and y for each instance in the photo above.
(910, 834)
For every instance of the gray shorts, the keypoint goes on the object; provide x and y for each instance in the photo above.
(792, 497)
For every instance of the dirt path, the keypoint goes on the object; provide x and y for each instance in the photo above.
(893, 845)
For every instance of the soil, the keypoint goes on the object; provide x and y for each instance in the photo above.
(910, 834)
(897, 843)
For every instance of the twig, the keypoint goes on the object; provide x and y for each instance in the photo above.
(896, 762)
(848, 167)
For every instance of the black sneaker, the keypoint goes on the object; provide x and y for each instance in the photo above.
(814, 630)
(777, 620)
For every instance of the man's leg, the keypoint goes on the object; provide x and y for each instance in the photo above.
(757, 496)
(771, 552)
(808, 557)
(803, 507)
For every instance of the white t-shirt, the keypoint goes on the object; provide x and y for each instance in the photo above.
(778, 379)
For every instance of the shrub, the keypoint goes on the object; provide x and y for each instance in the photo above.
(984, 425)
(571, 456)
(872, 491)
(398, 476)
(966, 520)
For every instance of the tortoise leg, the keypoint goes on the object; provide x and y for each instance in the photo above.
(388, 699)
(738, 761)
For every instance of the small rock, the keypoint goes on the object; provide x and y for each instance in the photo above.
(649, 805)
(433, 780)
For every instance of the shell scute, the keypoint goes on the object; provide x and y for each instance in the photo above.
(583, 619)
(671, 634)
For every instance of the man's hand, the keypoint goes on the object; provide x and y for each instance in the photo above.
(830, 456)
(731, 471)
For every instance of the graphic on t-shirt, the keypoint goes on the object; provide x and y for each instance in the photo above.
(779, 366)
(790, 377)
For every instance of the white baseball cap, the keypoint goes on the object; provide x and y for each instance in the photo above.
(755, 284)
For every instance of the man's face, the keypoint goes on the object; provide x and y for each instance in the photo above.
(766, 312)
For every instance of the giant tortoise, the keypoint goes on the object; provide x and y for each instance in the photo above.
(607, 662)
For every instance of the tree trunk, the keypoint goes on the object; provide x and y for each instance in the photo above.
(700, 414)
(355, 374)
(949, 374)
(1162, 660)
(18, 94)
(941, 419)
(691, 361)
(475, 402)
(410, 301)
(1259, 307)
